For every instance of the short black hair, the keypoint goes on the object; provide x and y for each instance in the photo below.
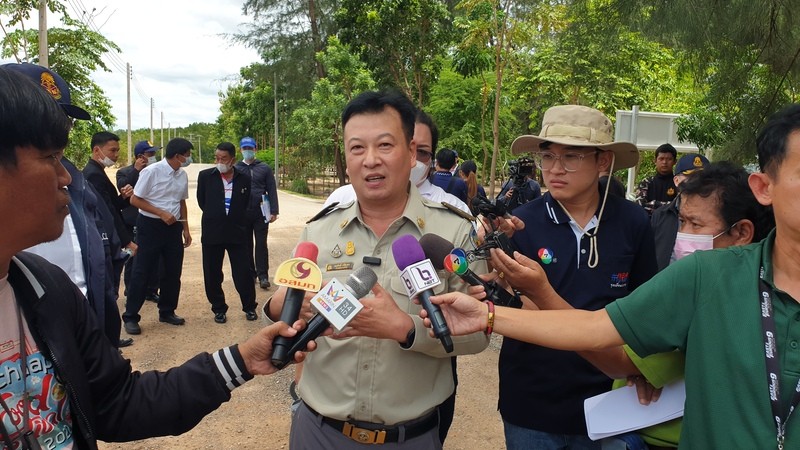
(667, 148)
(446, 158)
(377, 101)
(100, 139)
(228, 147)
(773, 139)
(29, 116)
(177, 146)
(728, 183)
(425, 119)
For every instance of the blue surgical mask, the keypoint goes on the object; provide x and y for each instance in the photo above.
(248, 155)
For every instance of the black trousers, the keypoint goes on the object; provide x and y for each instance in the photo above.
(259, 261)
(152, 283)
(157, 240)
(239, 256)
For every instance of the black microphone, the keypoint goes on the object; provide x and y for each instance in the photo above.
(418, 280)
(359, 283)
(445, 257)
(299, 274)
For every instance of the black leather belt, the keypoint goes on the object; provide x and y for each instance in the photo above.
(376, 433)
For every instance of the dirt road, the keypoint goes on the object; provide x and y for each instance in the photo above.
(257, 417)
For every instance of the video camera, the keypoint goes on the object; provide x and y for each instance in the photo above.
(495, 238)
(519, 169)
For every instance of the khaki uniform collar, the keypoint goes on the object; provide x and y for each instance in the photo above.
(414, 211)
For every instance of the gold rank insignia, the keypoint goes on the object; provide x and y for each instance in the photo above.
(670, 192)
(421, 222)
(336, 252)
(350, 248)
(343, 224)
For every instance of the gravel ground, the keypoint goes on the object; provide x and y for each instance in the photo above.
(257, 417)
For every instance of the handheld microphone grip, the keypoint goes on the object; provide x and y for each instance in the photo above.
(419, 276)
(444, 257)
(359, 283)
(438, 323)
(298, 274)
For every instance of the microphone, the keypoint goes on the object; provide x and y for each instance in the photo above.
(419, 276)
(454, 260)
(359, 283)
(299, 274)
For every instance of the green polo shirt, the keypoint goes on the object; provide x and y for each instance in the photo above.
(707, 306)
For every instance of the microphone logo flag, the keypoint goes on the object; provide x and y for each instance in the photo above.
(418, 277)
(299, 273)
(456, 262)
(336, 303)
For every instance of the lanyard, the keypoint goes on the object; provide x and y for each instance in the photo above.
(773, 365)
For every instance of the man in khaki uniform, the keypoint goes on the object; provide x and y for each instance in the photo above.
(385, 382)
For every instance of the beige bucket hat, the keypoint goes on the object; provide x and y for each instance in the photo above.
(581, 126)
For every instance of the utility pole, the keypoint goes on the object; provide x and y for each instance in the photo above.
(152, 107)
(162, 128)
(275, 94)
(130, 137)
(43, 54)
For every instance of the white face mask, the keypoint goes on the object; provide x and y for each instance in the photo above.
(186, 161)
(223, 168)
(107, 162)
(151, 160)
(419, 173)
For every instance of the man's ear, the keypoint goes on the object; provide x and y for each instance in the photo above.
(604, 159)
(761, 185)
(743, 232)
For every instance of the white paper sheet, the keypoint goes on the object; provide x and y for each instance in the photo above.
(619, 411)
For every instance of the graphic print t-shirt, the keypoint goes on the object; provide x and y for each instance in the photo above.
(48, 408)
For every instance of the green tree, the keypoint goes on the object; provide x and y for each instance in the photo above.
(316, 126)
(744, 53)
(402, 42)
(74, 52)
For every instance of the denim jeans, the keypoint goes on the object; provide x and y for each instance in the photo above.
(519, 438)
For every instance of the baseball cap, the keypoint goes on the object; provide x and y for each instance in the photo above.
(579, 126)
(53, 84)
(247, 142)
(690, 162)
(144, 147)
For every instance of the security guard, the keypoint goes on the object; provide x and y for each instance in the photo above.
(381, 386)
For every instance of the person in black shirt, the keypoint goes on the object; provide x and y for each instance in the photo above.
(659, 189)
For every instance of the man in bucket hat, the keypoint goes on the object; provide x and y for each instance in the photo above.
(594, 248)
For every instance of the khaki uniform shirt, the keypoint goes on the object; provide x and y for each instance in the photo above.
(375, 380)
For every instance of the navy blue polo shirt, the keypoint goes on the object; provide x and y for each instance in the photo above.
(451, 184)
(544, 389)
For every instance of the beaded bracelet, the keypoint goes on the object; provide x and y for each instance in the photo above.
(490, 320)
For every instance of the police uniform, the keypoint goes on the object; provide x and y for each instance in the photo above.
(375, 383)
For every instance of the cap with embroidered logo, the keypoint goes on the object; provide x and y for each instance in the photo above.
(53, 84)
(690, 162)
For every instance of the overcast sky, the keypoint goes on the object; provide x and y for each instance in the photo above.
(178, 55)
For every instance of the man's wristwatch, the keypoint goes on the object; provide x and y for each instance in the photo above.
(410, 338)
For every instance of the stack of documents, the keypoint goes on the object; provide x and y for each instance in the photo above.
(619, 411)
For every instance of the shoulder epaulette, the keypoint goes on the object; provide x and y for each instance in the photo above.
(459, 211)
(328, 209)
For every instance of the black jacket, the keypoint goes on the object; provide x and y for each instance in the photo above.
(665, 228)
(96, 176)
(108, 401)
(128, 175)
(218, 227)
(263, 183)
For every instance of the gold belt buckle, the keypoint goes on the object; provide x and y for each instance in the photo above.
(363, 435)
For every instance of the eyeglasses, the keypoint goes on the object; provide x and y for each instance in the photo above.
(570, 161)
(424, 156)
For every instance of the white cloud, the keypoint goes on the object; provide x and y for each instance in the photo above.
(177, 51)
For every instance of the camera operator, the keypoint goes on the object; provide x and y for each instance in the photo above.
(520, 187)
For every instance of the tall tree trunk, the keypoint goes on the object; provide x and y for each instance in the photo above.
(315, 37)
